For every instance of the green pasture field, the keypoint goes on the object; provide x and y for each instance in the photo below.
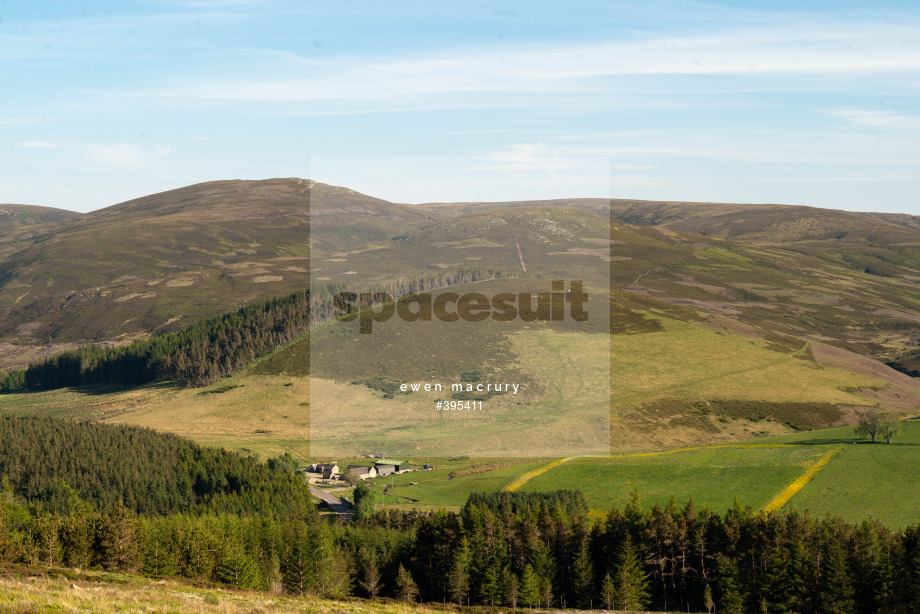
(863, 480)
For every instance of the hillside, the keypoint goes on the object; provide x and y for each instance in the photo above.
(877, 243)
(157, 262)
(17, 216)
(717, 314)
(108, 593)
(850, 279)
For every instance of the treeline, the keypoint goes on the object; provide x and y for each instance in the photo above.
(517, 553)
(201, 353)
(53, 464)
(12, 381)
(215, 347)
(324, 308)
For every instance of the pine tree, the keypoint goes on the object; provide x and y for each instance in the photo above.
(511, 587)
(459, 584)
(340, 575)
(47, 528)
(13, 518)
(708, 602)
(608, 591)
(237, 567)
(371, 581)
(116, 540)
(159, 548)
(731, 600)
(631, 580)
(546, 590)
(406, 589)
(583, 577)
(320, 557)
(530, 587)
(834, 592)
(76, 538)
(909, 588)
(489, 585)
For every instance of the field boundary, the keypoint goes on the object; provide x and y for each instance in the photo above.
(702, 447)
(522, 479)
(801, 482)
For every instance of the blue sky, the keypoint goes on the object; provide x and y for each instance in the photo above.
(813, 103)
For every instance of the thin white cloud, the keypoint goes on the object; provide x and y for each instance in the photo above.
(880, 119)
(539, 157)
(808, 49)
(124, 154)
(41, 144)
(839, 179)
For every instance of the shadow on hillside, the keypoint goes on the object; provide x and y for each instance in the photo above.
(826, 442)
(100, 389)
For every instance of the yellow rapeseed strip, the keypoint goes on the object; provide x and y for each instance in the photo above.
(524, 478)
(793, 489)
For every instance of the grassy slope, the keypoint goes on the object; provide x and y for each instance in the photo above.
(29, 590)
(262, 415)
(656, 381)
(452, 482)
(683, 384)
(868, 480)
(887, 242)
(712, 477)
(863, 480)
(35, 589)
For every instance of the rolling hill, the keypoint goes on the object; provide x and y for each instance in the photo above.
(17, 216)
(725, 322)
(154, 263)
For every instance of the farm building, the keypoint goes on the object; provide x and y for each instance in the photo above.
(398, 465)
(361, 472)
(385, 469)
(328, 470)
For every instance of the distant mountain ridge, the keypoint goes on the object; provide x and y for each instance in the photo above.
(15, 216)
(158, 262)
(142, 266)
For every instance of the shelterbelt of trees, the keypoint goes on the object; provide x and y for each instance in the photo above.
(201, 353)
(122, 498)
(58, 466)
(217, 346)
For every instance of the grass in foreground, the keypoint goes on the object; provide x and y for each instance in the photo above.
(30, 590)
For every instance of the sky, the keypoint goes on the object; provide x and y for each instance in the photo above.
(810, 103)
